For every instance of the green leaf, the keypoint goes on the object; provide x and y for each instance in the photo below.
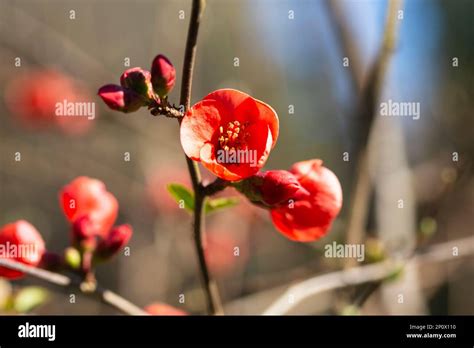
(215, 204)
(182, 195)
(29, 298)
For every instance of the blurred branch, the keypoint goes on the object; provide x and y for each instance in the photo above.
(210, 287)
(364, 274)
(346, 42)
(364, 121)
(105, 295)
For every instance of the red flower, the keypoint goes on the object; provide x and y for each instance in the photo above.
(230, 133)
(158, 308)
(308, 219)
(163, 75)
(20, 242)
(88, 197)
(36, 98)
(115, 241)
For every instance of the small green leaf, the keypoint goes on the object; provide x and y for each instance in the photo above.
(396, 273)
(215, 204)
(183, 196)
(29, 298)
(72, 257)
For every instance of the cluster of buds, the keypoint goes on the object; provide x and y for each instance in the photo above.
(92, 212)
(138, 87)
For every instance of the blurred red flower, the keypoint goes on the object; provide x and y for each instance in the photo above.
(230, 133)
(33, 99)
(20, 241)
(309, 219)
(158, 308)
(220, 250)
(87, 197)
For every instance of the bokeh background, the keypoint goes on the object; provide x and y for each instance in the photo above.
(290, 63)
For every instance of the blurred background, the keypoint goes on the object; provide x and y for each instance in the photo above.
(290, 55)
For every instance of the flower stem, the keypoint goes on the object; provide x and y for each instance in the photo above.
(210, 288)
(112, 299)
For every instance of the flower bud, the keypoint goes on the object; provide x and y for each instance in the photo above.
(89, 207)
(72, 257)
(83, 228)
(309, 219)
(115, 241)
(121, 99)
(138, 80)
(272, 188)
(163, 75)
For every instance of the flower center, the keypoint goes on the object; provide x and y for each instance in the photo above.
(233, 136)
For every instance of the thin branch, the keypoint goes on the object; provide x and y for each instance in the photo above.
(364, 121)
(364, 274)
(166, 110)
(107, 296)
(346, 42)
(210, 288)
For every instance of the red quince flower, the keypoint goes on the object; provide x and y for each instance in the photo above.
(87, 197)
(20, 241)
(230, 133)
(308, 219)
(159, 308)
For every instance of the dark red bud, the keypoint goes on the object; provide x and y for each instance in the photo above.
(138, 80)
(273, 188)
(51, 261)
(163, 75)
(117, 239)
(120, 98)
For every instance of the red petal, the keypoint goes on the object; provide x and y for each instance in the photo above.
(198, 127)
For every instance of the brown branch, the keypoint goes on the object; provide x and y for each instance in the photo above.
(210, 288)
(166, 110)
(364, 121)
(106, 296)
(365, 274)
(346, 43)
